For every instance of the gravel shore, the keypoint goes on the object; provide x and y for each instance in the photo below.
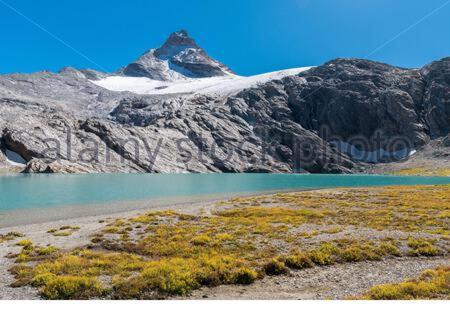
(332, 282)
(338, 281)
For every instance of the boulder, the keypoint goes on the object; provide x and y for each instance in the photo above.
(37, 166)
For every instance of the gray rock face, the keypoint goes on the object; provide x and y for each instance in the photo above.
(353, 97)
(437, 97)
(179, 57)
(2, 155)
(65, 123)
(363, 103)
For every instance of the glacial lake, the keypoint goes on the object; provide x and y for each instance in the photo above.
(25, 192)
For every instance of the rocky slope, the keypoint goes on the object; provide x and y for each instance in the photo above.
(335, 118)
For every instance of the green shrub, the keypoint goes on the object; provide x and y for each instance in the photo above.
(43, 251)
(275, 267)
(201, 240)
(431, 284)
(70, 287)
(360, 252)
(390, 248)
(423, 247)
(299, 261)
(25, 243)
(321, 258)
(245, 276)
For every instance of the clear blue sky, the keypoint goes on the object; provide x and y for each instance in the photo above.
(250, 36)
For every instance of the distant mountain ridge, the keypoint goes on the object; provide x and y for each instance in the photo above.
(176, 109)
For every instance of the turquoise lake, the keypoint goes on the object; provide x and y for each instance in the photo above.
(44, 191)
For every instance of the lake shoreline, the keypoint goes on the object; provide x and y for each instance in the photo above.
(28, 217)
(27, 199)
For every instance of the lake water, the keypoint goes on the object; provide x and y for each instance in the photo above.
(18, 192)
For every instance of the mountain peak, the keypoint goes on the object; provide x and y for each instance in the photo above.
(182, 35)
(179, 57)
(177, 41)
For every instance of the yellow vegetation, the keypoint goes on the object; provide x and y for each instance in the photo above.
(422, 171)
(25, 243)
(275, 267)
(31, 252)
(10, 236)
(71, 287)
(432, 284)
(63, 231)
(165, 253)
(423, 247)
(389, 208)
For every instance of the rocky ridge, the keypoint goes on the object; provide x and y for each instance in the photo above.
(335, 118)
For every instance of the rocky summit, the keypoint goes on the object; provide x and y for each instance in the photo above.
(176, 109)
(179, 57)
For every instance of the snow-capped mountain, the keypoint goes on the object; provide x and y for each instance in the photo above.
(180, 66)
(179, 58)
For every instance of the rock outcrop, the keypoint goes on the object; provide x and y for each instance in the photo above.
(437, 97)
(37, 166)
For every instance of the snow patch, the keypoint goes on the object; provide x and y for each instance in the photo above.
(14, 158)
(375, 156)
(222, 85)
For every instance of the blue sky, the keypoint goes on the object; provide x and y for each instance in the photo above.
(250, 36)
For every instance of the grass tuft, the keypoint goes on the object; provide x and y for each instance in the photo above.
(275, 267)
(423, 247)
(63, 231)
(70, 287)
(432, 284)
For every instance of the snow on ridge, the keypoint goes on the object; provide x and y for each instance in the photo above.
(374, 156)
(222, 85)
(14, 158)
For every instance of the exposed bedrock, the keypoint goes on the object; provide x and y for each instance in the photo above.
(65, 123)
(437, 97)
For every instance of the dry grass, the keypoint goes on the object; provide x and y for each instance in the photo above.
(422, 171)
(10, 236)
(63, 231)
(432, 284)
(407, 208)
